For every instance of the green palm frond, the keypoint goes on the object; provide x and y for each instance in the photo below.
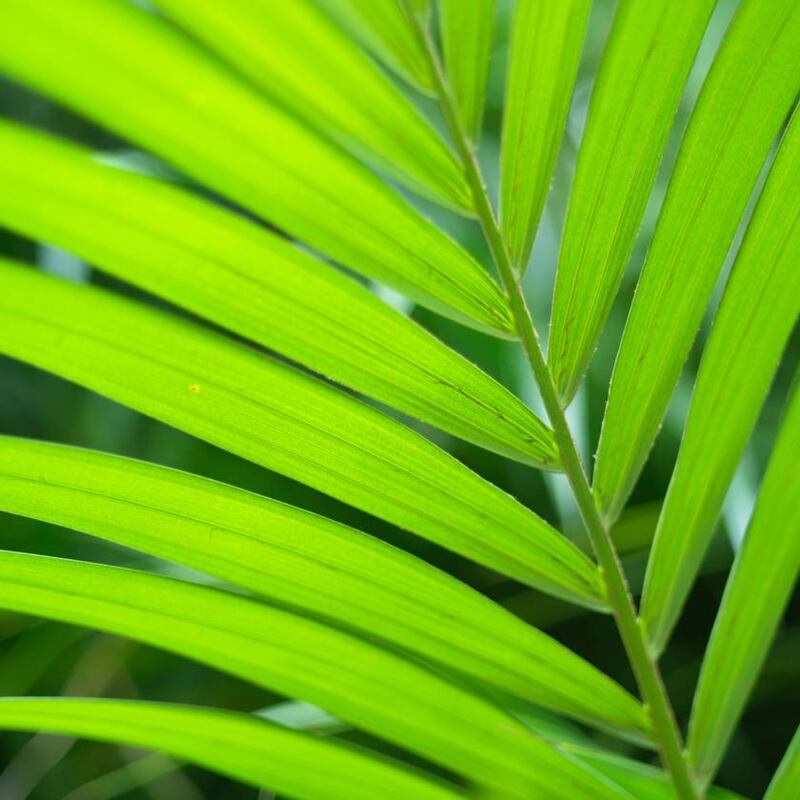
(330, 235)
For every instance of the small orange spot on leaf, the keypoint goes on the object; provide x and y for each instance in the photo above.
(194, 388)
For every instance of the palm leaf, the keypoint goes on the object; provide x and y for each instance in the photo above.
(242, 747)
(136, 74)
(304, 145)
(361, 109)
(255, 284)
(759, 587)
(758, 313)
(305, 561)
(750, 90)
(642, 780)
(295, 656)
(382, 26)
(787, 778)
(233, 397)
(467, 28)
(644, 68)
(545, 52)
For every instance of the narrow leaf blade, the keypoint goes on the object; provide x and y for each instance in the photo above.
(136, 74)
(240, 400)
(749, 92)
(383, 27)
(759, 587)
(467, 29)
(546, 44)
(237, 745)
(339, 90)
(787, 778)
(369, 687)
(643, 781)
(642, 74)
(759, 310)
(308, 562)
(256, 284)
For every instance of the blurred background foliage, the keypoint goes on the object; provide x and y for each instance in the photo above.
(51, 659)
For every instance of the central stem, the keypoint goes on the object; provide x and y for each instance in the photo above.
(645, 669)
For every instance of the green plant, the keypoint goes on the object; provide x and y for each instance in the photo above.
(277, 108)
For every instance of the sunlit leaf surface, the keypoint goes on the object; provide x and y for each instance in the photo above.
(308, 562)
(638, 86)
(467, 35)
(245, 748)
(361, 109)
(416, 709)
(759, 310)
(260, 409)
(128, 70)
(546, 44)
(751, 88)
(256, 284)
(758, 589)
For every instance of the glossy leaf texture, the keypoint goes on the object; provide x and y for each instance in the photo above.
(764, 575)
(367, 686)
(256, 284)
(237, 745)
(759, 310)
(339, 90)
(787, 777)
(644, 68)
(384, 29)
(259, 409)
(546, 43)
(308, 562)
(136, 74)
(467, 32)
(745, 100)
